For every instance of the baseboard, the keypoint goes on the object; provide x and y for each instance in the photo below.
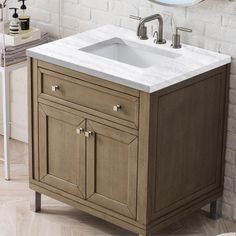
(17, 132)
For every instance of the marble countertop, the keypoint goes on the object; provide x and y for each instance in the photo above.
(191, 61)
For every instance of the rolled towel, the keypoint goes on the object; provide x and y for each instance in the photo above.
(16, 54)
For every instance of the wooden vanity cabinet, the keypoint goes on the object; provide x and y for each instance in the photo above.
(61, 150)
(112, 157)
(138, 160)
(99, 165)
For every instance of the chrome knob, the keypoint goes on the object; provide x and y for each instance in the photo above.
(55, 88)
(117, 108)
(88, 134)
(80, 131)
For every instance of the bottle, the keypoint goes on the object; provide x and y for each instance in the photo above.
(24, 18)
(14, 25)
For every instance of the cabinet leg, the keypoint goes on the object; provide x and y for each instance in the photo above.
(215, 210)
(36, 206)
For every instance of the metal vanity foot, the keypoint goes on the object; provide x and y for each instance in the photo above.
(215, 210)
(36, 205)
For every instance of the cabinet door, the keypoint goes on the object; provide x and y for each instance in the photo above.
(62, 150)
(112, 168)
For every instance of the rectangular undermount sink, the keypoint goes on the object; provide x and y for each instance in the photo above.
(130, 53)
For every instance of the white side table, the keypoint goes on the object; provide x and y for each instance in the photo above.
(5, 71)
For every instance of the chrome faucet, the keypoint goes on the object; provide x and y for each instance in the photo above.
(142, 29)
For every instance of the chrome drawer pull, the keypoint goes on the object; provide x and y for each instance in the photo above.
(80, 131)
(55, 88)
(117, 108)
(88, 134)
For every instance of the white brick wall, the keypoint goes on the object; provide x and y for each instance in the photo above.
(214, 27)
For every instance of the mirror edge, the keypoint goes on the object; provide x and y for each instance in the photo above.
(176, 5)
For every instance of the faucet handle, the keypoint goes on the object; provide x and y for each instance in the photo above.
(142, 29)
(176, 37)
(183, 29)
(135, 17)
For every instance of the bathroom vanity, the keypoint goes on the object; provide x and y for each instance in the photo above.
(126, 130)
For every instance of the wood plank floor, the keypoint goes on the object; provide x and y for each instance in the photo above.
(57, 219)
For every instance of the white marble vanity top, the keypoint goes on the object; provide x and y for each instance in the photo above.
(188, 62)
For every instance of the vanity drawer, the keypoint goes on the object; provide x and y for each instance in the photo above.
(91, 98)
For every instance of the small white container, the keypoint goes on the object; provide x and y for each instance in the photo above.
(16, 40)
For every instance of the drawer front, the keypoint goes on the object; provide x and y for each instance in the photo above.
(100, 99)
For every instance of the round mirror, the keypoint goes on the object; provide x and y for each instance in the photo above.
(177, 3)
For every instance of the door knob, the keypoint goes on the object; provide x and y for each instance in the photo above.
(55, 88)
(117, 108)
(88, 134)
(80, 131)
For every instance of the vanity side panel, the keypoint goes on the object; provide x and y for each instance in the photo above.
(147, 150)
(226, 114)
(30, 120)
(143, 158)
(187, 166)
(33, 119)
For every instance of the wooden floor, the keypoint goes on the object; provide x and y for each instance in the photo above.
(57, 219)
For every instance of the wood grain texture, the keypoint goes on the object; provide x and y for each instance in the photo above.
(141, 170)
(112, 169)
(189, 156)
(88, 78)
(56, 218)
(33, 118)
(143, 159)
(190, 143)
(61, 150)
(88, 116)
(30, 115)
(89, 96)
(225, 74)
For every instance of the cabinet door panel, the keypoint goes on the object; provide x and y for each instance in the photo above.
(61, 150)
(112, 169)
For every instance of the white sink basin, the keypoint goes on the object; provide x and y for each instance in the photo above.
(130, 53)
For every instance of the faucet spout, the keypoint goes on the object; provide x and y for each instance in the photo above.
(142, 29)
